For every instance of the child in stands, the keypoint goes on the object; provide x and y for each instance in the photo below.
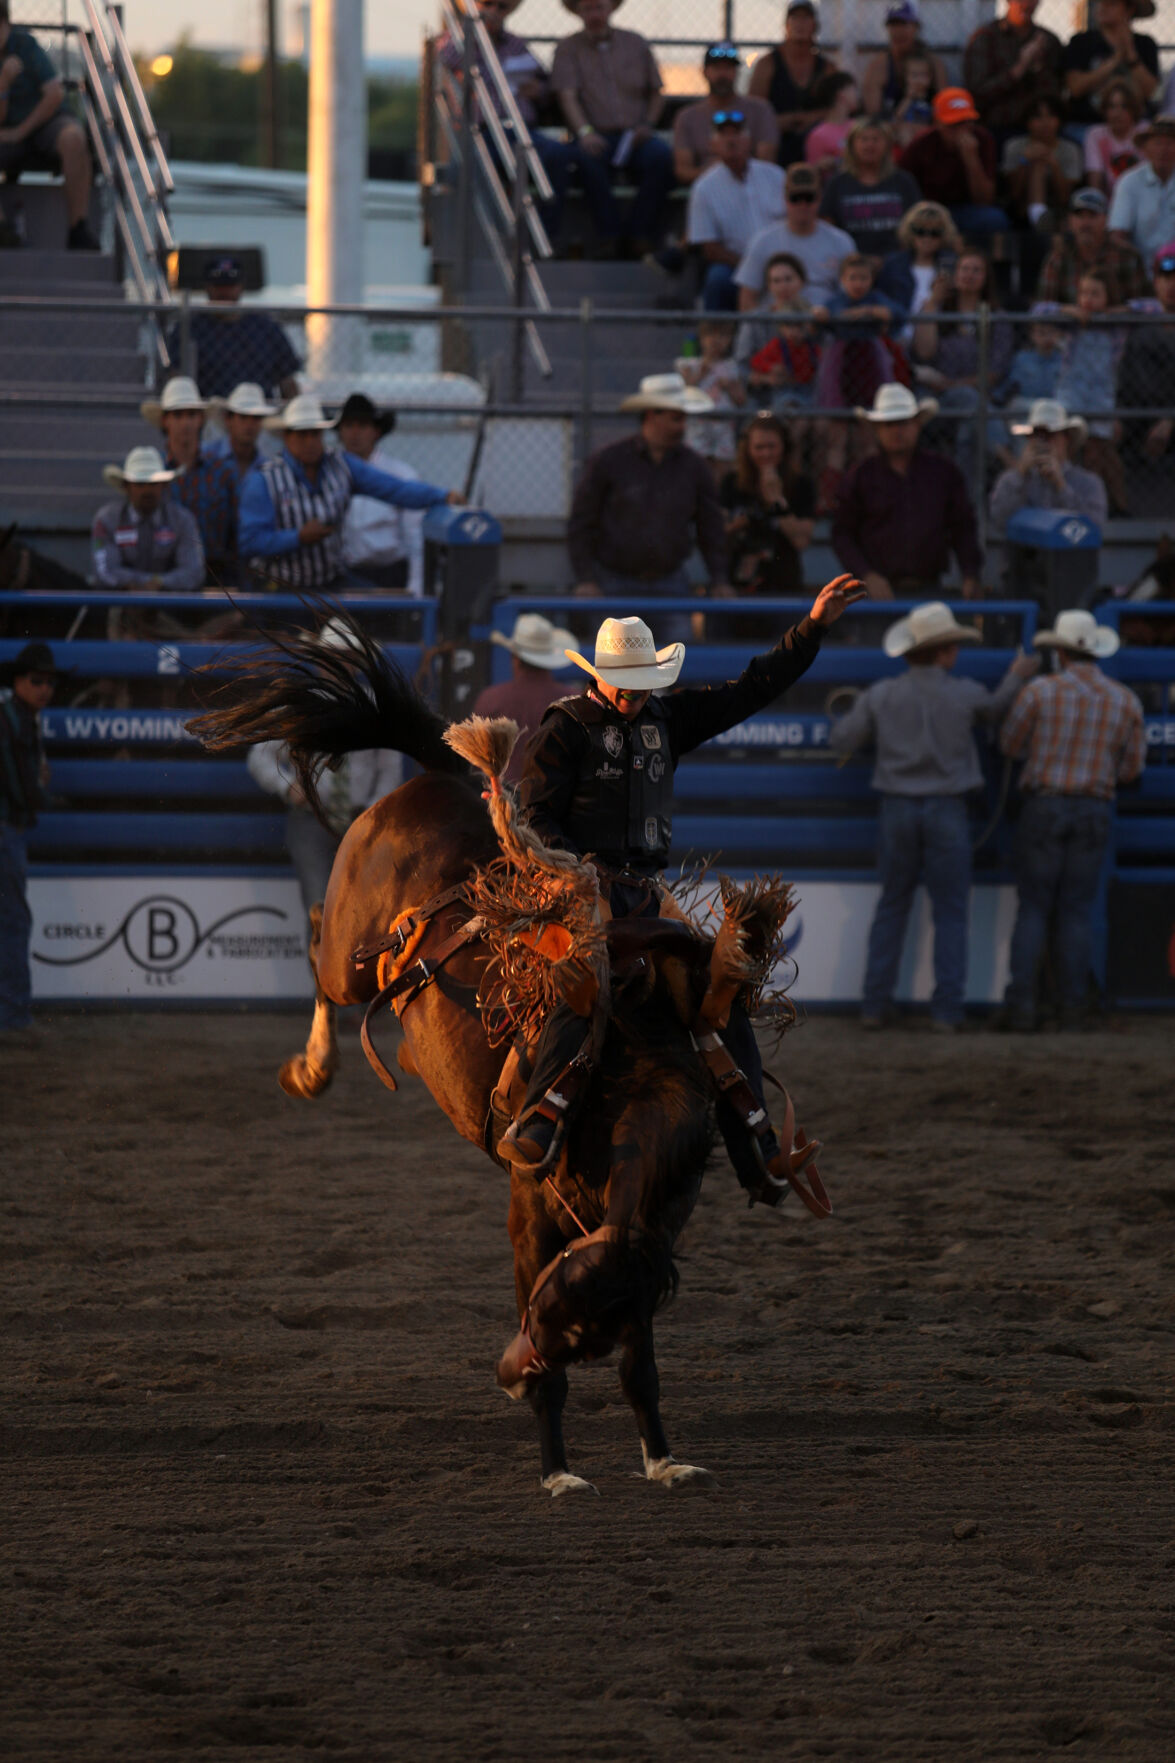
(777, 347)
(716, 373)
(857, 357)
(914, 113)
(1088, 381)
(838, 94)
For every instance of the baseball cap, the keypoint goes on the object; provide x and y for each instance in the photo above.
(1163, 262)
(721, 52)
(955, 104)
(802, 6)
(802, 177)
(1088, 202)
(223, 272)
(905, 12)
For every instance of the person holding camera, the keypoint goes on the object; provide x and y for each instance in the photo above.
(1045, 476)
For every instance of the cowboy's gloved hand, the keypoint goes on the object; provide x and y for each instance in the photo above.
(834, 597)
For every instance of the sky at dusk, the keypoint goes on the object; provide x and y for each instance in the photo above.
(394, 27)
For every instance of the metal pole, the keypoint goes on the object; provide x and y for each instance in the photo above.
(336, 168)
(584, 426)
(270, 148)
(981, 420)
(187, 365)
(728, 21)
(464, 253)
(516, 336)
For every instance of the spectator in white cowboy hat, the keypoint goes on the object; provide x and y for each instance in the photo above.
(921, 723)
(1142, 212)
(145, 539)
(384, 544)
(642, 504)
(207, 487)
(901, 512)
(538, 650)
(1080, 735)
(293, 507)
(243, 444)
(1045, 476)
(35, 118)
(347, 788)
(233, 342)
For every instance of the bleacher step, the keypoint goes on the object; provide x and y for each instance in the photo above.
(68, 267)
(74, 366)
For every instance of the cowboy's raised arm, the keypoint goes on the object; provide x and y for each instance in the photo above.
(698, 713)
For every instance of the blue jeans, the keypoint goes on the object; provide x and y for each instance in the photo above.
(979, 217)
(1061, 844)
(921, 839)
(673, 627)
(650, 167)
(16, 925)
(719, 293)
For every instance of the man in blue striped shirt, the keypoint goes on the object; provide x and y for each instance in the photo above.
(293, 507)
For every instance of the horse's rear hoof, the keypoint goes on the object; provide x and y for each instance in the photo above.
(563, 1482)
(298, 1077)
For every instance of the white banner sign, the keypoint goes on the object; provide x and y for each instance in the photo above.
(184, 938)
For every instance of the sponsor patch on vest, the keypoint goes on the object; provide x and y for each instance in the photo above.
(651, 737)
(165, 535)
(127, 535)
(614, 741)
(652, 832)
(656, 767)
(607, 771)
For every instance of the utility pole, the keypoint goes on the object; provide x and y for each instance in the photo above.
(270, 103)
(337, 170)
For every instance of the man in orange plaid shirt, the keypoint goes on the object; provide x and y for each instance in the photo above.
(1080, 736)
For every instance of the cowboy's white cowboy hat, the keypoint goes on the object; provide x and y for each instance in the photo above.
(180, 393)
(1081, 634)
(247, 399)
(895, 403)
(536, 641)
(933, 623)
(1050, 414)
(302, 413)
(626, 656)
(142, 465)
(668, 391)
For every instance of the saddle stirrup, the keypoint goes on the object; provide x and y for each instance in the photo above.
(782, 1159)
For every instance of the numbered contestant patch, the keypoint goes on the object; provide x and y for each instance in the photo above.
(651, 737)
(613, 741)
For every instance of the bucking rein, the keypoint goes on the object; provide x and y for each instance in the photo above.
(402, 974)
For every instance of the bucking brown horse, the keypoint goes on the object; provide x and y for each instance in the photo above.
(593, 1245)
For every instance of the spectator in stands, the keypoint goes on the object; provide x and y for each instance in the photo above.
(769, 511)
(347, 789)
(1147, 375)
(28, 682)
(1045, 476)
(955, 163)
(715, 372)
(1090, 356)
(693, 126)
(206, 486)
(242, 413)
(915, 110)
(1041, 167)
(1080, 736)
(928, 245)
(820, 248)
(948, 355)
(729, 205)
(856, 357)
(777, 348)
(884, 82)
(538, 650)
(642, 503)
(839, 97)
(1008, 65)
(1142, 213)
(901, 512)
(35, 119)
(382, 542)
(921, 723)
(530, 88)
(293, 508)
(1036, 367)
(788, 75)
(869, 197)
(234, 342)
(145, 539)
(1110, 51)
(1111, 147)
(1085, 244)
(609, 85)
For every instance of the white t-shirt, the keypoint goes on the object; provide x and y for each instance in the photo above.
(725, 210)
(821, 252)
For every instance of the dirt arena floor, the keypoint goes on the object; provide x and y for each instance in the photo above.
(262, 1498)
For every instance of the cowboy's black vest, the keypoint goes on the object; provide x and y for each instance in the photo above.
(622, 806)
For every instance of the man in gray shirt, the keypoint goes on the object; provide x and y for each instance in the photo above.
(921, 723)
(1044, 476)
(821, 248)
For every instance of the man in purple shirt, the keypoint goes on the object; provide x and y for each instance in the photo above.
(901, 512)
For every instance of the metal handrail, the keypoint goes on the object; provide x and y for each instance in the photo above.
(457, 20)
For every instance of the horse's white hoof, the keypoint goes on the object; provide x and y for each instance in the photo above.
(563, 1482)
(671, 1474)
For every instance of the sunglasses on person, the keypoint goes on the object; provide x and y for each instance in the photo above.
(801, 195)
(926, 232)
(1165, 265)
(722, 117)
(627, 696)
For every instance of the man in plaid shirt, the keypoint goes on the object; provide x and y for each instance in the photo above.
(1080, 736)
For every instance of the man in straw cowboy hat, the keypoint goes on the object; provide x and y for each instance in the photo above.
(642, 504)
(1080, 735)
(921, 723)
(145, 539)
(1044, 476)
(26, 688)
(902, 511)
(206, 486)
(242, 413)
(293, 507)
(538, 649)
(599, 782)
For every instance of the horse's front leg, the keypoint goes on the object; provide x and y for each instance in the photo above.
(642, 1386)
(547, 1399)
